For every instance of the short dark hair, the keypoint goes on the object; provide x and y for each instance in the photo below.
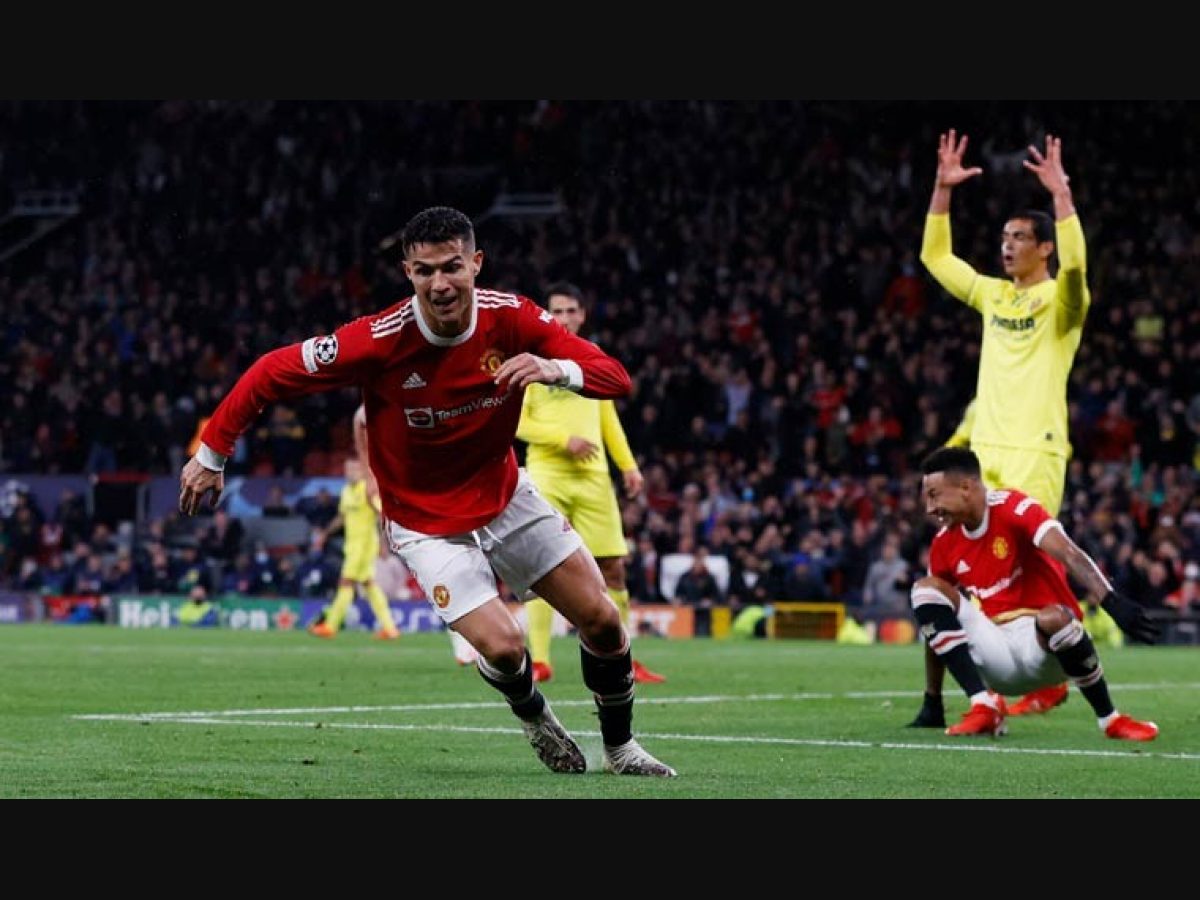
(437, 225)
(1043, 225)
(567, 289)
(955, 460)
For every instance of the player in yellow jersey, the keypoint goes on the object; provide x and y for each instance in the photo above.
(358, 515)
(567, 436)
(1032, 323)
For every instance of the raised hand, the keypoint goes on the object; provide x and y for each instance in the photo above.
(1049, 168)
(950, 170)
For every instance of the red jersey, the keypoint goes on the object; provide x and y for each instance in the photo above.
(439, 429)
(999, 562)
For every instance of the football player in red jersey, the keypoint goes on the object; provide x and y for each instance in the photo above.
(1006, 551)
(442, 374)
(1032, 326)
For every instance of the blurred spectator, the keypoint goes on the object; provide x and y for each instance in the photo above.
(275, 506)
(697, 586)
(888, 581)
(189, 570)
(222, 540)
(319, 509)
(802, 582)
(316, 575)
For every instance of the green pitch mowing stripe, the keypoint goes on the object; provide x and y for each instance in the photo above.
(360, 718)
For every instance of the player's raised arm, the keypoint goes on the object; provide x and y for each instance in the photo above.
(937, 254)
(1073, 294)
(1049, 171)
(950, 171)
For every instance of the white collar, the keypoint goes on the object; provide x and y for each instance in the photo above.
(436, 339)
(982, 529)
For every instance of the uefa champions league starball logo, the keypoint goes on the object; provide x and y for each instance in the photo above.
(325, 350)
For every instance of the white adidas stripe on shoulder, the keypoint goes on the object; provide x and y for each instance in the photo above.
(393, 329)
(393, 322)
(484, 293)
(496, 299)
(405, 309)
(995, 498)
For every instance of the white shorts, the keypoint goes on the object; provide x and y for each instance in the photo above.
(1009, 657)
(458, 572)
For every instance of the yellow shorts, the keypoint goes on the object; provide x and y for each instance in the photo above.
(1039, 475)
(590, 505)
(359, 561)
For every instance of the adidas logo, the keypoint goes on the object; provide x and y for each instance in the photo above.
(962, 567)
(414, 381)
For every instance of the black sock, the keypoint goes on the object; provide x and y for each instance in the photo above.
(946, 637)
(518, 689)
(932, 713)
(1077, 655)
(610, 679)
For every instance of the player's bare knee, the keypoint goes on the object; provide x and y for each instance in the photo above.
(933, 590)
(504, 649)
(1053, 619)
(600, 627)
(503, 657)
(1059, 631)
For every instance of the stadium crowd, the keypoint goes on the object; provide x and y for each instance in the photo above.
(754, 265)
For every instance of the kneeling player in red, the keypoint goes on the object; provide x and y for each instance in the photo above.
(1005, 550)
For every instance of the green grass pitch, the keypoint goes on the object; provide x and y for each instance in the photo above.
(108, 712)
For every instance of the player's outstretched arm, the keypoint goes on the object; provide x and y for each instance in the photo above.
(317, 364)
(937, 248)
(950, 170)
(1048, 168)
(1130, 617)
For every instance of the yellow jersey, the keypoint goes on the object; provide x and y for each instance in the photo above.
(359, 515)
(1030, 336)
(550, 416)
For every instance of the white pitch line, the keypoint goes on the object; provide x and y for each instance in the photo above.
(433, 707)
(701, 738)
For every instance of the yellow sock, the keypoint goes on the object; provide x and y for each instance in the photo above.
(541, 617)
(341, 602)
(379, 605)
(621, 598)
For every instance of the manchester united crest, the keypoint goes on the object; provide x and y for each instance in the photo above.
(490, 361)
(441, 596)
(1000, 548)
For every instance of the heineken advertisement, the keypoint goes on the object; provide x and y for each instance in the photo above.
(254, 613)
